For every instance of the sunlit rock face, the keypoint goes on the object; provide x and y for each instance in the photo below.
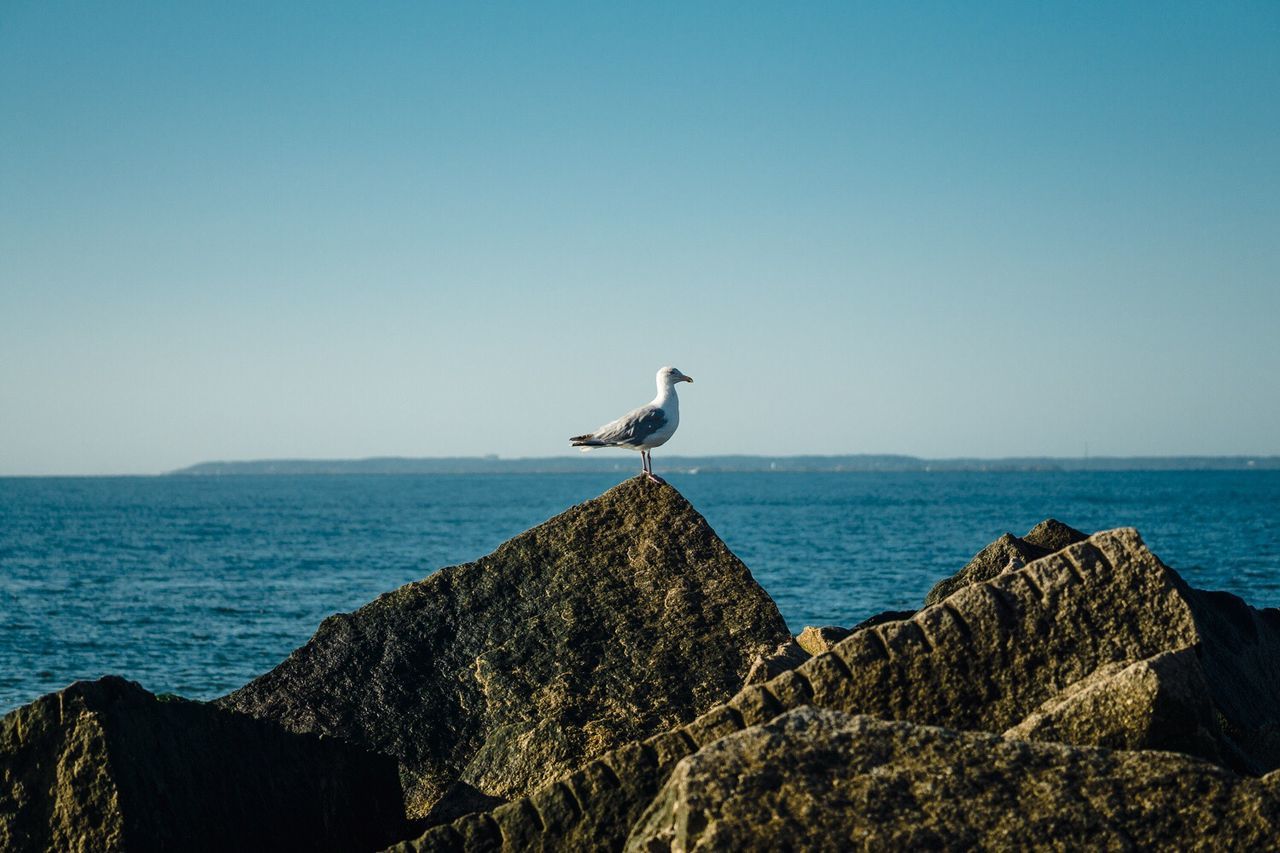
(622, 617)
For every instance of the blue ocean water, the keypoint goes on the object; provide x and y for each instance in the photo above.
(194, 585)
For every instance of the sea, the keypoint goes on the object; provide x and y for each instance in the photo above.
(194, 585)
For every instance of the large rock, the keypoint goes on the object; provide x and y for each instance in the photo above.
(622, 617)
(1008, 552)
(822, 780)
(104, 766)
(986, 658)
(1162, 702)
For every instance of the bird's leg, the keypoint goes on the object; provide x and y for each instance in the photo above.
(648, 468)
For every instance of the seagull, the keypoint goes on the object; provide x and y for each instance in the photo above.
(645, 428)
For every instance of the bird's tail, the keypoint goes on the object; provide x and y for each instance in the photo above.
(586, 442)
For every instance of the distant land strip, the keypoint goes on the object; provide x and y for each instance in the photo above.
(598, 464)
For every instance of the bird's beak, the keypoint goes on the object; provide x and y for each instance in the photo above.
(684, 378)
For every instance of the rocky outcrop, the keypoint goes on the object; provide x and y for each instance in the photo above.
(622, 617)
(841, 782)
(988, 658)
(1006, 553)
(579, 689)
(104, 766)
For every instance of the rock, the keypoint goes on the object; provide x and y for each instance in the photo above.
(883, 617)
(622, 617)
(1052, 535)
(985, 659)
(1047, 537)
(815, 641)
(1162, 702)
(822, 780)
(787, 656)
(461, 799)
(104, 765)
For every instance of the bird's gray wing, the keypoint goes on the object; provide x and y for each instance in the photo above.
(634, 427)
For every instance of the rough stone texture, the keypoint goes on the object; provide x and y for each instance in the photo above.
(622, 617)
(1052, 535)
(823, 780)
(984, 659)
(104, 766)
(1162, 702)
(461, 799)
(815, 641)
(787, 656)
(1008, 552)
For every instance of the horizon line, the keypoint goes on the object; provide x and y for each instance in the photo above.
(693, 462)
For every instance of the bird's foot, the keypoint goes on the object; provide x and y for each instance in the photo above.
(654, 478)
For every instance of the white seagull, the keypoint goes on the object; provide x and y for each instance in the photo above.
(645, 428)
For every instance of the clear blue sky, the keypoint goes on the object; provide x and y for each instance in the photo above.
(338, 230)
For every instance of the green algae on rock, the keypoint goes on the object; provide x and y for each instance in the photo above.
(622, 617)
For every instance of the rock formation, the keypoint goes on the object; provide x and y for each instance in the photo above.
(1008, 552)
(620, 618)
(992, 657)
(823, 780)
(104, 766)
(582, 688)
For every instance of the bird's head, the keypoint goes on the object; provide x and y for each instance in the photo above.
(670, 376)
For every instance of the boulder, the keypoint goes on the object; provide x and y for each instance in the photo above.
(815, 641)
(1008, 552)
(1052, 535)
(622, 617)
(987, 658)
(823, 780)
(105, 765)
(1162, 702)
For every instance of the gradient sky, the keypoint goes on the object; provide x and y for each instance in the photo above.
(345, 230)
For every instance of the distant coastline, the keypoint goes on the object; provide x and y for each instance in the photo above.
(601, 463)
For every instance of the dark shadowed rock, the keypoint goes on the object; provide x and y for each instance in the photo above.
(823, 780)
(881, 618)
(621, 617)
(987, 658)
(1008, 553)
(461, 799)
(104, 765)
